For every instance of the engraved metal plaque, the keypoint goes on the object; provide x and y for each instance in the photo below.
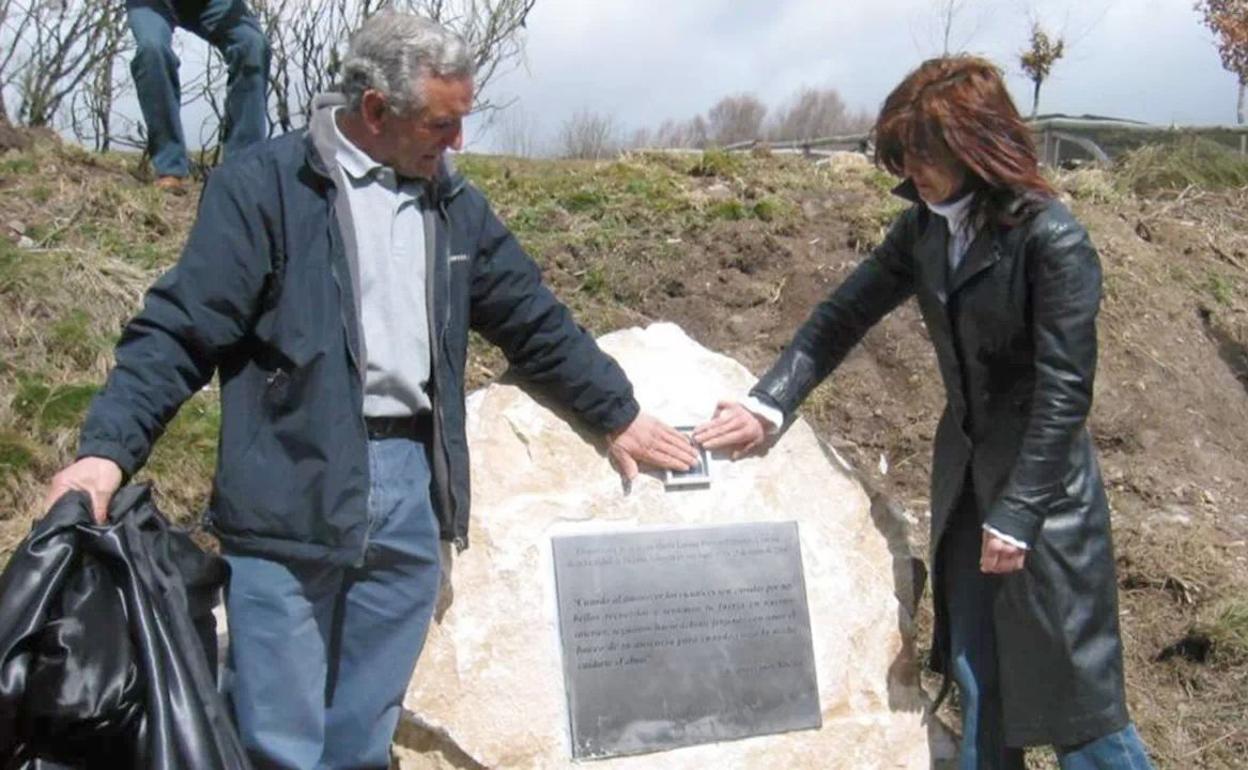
(684, 636)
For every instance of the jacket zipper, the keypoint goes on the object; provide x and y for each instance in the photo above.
(442, 487)
(355, 363)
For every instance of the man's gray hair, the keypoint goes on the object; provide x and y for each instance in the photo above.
(392, 51)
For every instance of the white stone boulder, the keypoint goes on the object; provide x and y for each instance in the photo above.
(489, 690)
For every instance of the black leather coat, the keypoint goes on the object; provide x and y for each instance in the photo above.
(1015, 335)
(105, 638)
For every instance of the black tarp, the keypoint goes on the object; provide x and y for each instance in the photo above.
(108, 645)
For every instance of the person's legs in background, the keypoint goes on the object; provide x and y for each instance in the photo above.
(233, 30)
(157, 86)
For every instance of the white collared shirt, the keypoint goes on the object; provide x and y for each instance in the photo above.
(387, 238)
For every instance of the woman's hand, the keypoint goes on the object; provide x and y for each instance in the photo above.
(998, 557)
(733, 427)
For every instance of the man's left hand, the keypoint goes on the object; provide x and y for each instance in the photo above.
(998, 557)
(649, 441)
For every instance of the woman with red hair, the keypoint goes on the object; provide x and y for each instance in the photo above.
(1009, 286)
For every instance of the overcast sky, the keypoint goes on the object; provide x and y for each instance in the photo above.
(643, 61)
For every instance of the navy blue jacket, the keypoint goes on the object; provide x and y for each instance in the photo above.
(262, 295)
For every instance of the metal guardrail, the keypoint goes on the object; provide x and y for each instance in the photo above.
(858, 141)
(1099, 138)
(1051, 135)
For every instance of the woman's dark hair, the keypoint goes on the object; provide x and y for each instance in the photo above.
(959, 105)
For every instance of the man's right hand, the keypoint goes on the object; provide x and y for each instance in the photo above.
(96, 476)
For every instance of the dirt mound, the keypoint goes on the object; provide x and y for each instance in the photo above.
(20, 139)
(737, 253)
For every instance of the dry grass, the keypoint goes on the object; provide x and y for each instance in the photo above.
(93, 238)
(736, 250)
(1189, 161)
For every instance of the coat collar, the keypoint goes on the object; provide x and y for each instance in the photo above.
(932, 249)
(984, 252)
(448, 183)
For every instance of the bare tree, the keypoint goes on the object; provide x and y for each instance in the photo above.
(588, 136)
(91, 113)
(947, 18)
(494, 30)
(308, 39)
(814, 113)
(736, 119)
(49, 48)
(517, 133)
(1037, 61)
(209, 87)
(692, 133)
(12, 27)
(1228, 19)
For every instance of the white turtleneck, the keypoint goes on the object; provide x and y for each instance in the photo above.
(957, 216)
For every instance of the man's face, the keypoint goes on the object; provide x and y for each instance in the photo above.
(412, 143)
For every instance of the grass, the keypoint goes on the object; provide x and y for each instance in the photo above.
(717, 163)
(769, 210)
(73, 337)
(17, 453)
(1220, 288)
(623, 242)
(50, 405)
(189, 447)
(17, 164)
(585, 200)
(731, 210)
(1229, 631)
(1186, 162)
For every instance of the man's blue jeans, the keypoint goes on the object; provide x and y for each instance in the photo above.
(230, 28)
(321, 656)
(973, 660)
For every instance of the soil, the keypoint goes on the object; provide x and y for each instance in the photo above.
(1170, 417)
(1171, 399)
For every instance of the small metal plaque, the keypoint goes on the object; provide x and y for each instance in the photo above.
(685, 636)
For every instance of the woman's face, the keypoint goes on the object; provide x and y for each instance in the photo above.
(937, 178)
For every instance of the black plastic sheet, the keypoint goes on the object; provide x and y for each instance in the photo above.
(108, 645)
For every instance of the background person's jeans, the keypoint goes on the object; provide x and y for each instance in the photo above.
(230, 28)
(321, 656)
(973, 662)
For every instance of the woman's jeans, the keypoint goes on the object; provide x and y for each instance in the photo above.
(230, 28)
(973, 665)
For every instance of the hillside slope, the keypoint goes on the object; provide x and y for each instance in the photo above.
(736, 250)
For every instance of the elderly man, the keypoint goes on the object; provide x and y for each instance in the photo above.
(331, 279)
(230, 28)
